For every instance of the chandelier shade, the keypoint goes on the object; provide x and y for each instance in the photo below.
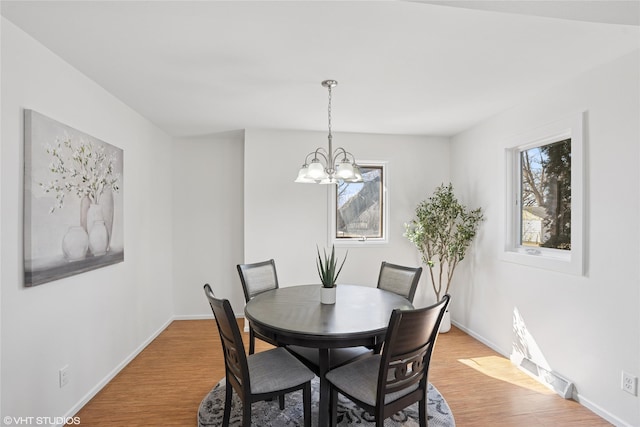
(329, 166)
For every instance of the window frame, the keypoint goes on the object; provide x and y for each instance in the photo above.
(560, 260)
(359, 241)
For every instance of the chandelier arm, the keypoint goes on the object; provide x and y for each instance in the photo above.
(306, 159)
(339, 152)
(346, 155)
(320, 152)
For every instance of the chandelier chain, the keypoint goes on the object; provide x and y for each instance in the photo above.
(329, 110)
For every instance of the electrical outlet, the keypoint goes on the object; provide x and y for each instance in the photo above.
(629, 383)
(63, 375)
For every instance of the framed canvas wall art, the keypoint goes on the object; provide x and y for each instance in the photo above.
(73, 201)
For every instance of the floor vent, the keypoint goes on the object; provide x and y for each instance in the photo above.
(555, 382)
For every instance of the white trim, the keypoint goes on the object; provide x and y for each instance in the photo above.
(111, 375)
(572, 261)
(480, 338)
(598, 410)
(356, 242)
(194, 316)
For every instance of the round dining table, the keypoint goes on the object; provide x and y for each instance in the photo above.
(295, 316)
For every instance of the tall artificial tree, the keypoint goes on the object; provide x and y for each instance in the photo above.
(442, 232)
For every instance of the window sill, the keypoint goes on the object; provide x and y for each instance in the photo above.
(358, 243)
(539, 258)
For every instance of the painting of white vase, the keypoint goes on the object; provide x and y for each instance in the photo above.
(73, 213)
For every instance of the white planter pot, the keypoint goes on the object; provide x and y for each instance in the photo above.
(445, 326)
(327, 295)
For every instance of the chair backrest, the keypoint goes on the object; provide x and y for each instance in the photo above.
(235, 358)
(257, 278)
(399, 279)
(408, 346)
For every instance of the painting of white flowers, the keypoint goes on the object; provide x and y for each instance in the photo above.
(73, 210)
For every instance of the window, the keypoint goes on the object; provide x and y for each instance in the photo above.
(545, 196)
(544, 211)
(359, 210)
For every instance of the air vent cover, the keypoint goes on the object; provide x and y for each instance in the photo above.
(555, 382)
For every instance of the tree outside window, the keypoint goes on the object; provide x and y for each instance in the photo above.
(545, 196)
(359, 206)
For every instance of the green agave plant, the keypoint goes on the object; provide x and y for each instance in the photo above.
(327, 267)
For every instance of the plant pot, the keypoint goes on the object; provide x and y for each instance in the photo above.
(327, 295)
(445, 325)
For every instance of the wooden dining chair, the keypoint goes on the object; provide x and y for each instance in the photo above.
(261, 376)
(257, 278)
(399, 279)
(398, 377)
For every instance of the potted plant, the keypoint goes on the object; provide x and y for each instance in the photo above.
(442, 232)
(328, 272)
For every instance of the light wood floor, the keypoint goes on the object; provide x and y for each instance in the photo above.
(164, 385)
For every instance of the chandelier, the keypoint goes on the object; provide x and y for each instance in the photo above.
(329, 166)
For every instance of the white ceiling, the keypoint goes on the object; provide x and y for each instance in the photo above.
(410, 67)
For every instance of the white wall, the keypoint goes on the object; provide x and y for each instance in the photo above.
(587, 328)
(93, 321)
(285, 220)
(208, 221)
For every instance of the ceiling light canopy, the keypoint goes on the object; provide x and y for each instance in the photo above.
(329, 166)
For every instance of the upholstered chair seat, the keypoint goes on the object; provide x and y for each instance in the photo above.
(360, 380)
(275, 370)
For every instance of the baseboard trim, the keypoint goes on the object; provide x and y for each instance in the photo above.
(96, 389)
(598, 410)
(480, 338)
(111, 375)
(199, 316)
(193, 317)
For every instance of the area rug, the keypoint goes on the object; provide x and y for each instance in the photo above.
(268, 414)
